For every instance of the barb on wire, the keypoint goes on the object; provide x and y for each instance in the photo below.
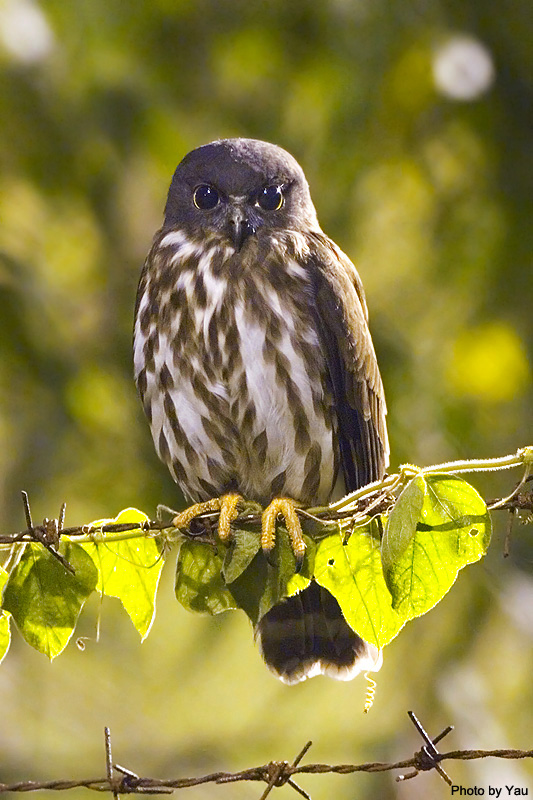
(281, 774)
(428, 756)
(109, 762)
(48, 534)
(27, 510)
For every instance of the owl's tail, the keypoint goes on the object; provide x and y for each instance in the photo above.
(306, 635)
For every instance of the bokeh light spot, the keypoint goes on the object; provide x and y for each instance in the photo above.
(24, 31)
(489, 363)
(463, 68)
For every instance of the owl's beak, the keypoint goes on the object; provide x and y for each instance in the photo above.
(239, 228)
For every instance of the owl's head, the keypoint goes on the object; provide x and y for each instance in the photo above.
(234, 187)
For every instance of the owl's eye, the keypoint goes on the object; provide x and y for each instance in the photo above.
(205, 197)
(270, 198)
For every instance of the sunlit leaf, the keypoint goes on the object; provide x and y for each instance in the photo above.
(353, 574)
(5, 633)
(421, 560)
(45, 599)
(402, 521)
(297, 583)
(129, 569)
(199, 584)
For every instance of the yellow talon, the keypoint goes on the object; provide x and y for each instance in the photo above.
(228, 513)
(285, 507)
(184, 518)
(226, 505)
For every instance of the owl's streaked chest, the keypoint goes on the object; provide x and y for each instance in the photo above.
(234, 379)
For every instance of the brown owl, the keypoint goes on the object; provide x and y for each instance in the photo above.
(256, 368)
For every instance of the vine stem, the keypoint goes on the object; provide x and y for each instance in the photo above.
(99, 538)
(523, 457)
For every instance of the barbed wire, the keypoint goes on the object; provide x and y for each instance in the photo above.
(119, 780)
(371, 500)
(49, 532)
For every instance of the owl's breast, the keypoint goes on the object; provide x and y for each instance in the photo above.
(235, 382)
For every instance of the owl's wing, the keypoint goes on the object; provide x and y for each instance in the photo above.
(359, 399)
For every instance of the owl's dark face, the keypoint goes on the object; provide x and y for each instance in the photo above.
(234, 187)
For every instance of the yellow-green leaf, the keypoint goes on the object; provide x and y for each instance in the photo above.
(45, 599)
(5, 633)
(353, 574)
(438, 526)
(297, 583)
(402, 521)
(129, 568)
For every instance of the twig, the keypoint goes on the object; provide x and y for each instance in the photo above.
(522, 458)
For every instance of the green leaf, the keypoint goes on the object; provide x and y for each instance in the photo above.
(402, 521)
(239, 554)
(264, 584)
(239, 576)
(45, 599)
(297, 583)
(353, 574)
(129, 569)
(199, 584)
(5, 633)
(421, 560)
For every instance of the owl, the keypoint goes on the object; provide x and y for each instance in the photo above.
(256, 369)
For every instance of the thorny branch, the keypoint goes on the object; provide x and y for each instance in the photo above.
(274, 774)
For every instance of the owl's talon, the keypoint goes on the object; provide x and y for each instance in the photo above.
(228, 513)
(299, 562)
(226, 505)
(269, 555)
(184, 518)
(285, 507)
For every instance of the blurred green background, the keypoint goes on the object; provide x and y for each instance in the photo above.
(414, 124)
